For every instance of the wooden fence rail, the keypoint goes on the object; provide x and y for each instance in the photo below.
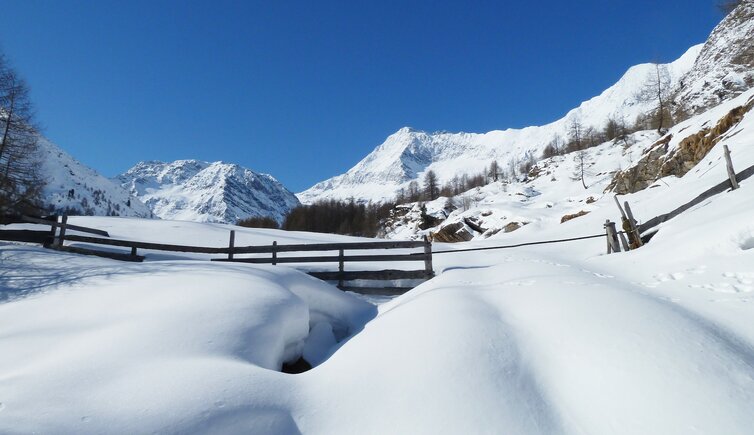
(715, 190)
(341, 275)
(56, 240)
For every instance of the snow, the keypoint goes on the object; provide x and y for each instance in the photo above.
(548, 339)
(70, 185)
(407, 154)
(557, 338)
(207, 192)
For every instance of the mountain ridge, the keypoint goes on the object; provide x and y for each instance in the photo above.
(197, 190)
(406, 154)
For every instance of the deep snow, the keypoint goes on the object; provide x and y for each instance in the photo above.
(550, 339)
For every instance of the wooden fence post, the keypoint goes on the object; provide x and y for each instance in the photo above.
(231, 243)
(624, 242)
(428, 258)
(61, 236)
(53, 230)
(612, 237)
(133, 251)
(274, 252)
(636, 239)
(731, 171)
(341, 268)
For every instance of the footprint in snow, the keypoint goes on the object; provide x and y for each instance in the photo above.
(523, 283)
(725, 287)
(665, 277)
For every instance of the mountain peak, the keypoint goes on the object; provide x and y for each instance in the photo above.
(208, 192)
(407, 154)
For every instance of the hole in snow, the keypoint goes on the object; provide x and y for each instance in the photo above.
(747, 244)
(299, 366)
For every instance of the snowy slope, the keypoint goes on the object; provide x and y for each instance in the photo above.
(725, 65)
(555, 190)
(406, 154)
(77, 189)
(207, 192)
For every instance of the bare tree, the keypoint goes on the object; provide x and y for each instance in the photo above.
(657, 89)
(413, 191)
(20, 185)
(581, 164)
(554, 148)
(431, 186)
(575, 135)
(494, 170)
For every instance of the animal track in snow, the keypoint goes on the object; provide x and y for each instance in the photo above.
(665, 277)
(743, 282)
(522, 283)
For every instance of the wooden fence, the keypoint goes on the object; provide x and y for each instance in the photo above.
(56, 237)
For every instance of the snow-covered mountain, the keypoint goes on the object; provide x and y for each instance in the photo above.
(406, 154)
(75, 188)
(207, 192)
(706, 75)
(723, 69)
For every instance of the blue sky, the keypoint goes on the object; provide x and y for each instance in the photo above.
(303, 90)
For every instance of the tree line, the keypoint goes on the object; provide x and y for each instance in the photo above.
(338, 217)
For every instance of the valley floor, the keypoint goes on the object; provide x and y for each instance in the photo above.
(551, 339)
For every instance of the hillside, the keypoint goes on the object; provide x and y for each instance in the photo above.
(407, 154)
(74, 188)
(704, 77)
(646, 164)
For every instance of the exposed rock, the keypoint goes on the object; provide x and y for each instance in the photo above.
(453, 233)
(491, 233)
(472, 223)
(568, 217)
(512, 226)
(724, 68)
(659, 162)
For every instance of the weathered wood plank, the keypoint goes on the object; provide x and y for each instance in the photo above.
(327, 247)
(729, 167)
(146, 245)
(717, 189)
(385, 275)
(329, 259)
(380, 291)
(61, 236)
(428, 257)
(113, 255)
(231, 244)
(34, 220)
(612, 237)
(29, 236)
(634, 235)
(243, 249)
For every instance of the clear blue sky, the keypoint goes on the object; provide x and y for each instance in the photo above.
(303, 90)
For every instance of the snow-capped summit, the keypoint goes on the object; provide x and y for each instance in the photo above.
(207, 192)
(74, 188)
(407, 154)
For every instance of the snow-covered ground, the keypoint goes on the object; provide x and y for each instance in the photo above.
(557, 338)
(548, 339)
